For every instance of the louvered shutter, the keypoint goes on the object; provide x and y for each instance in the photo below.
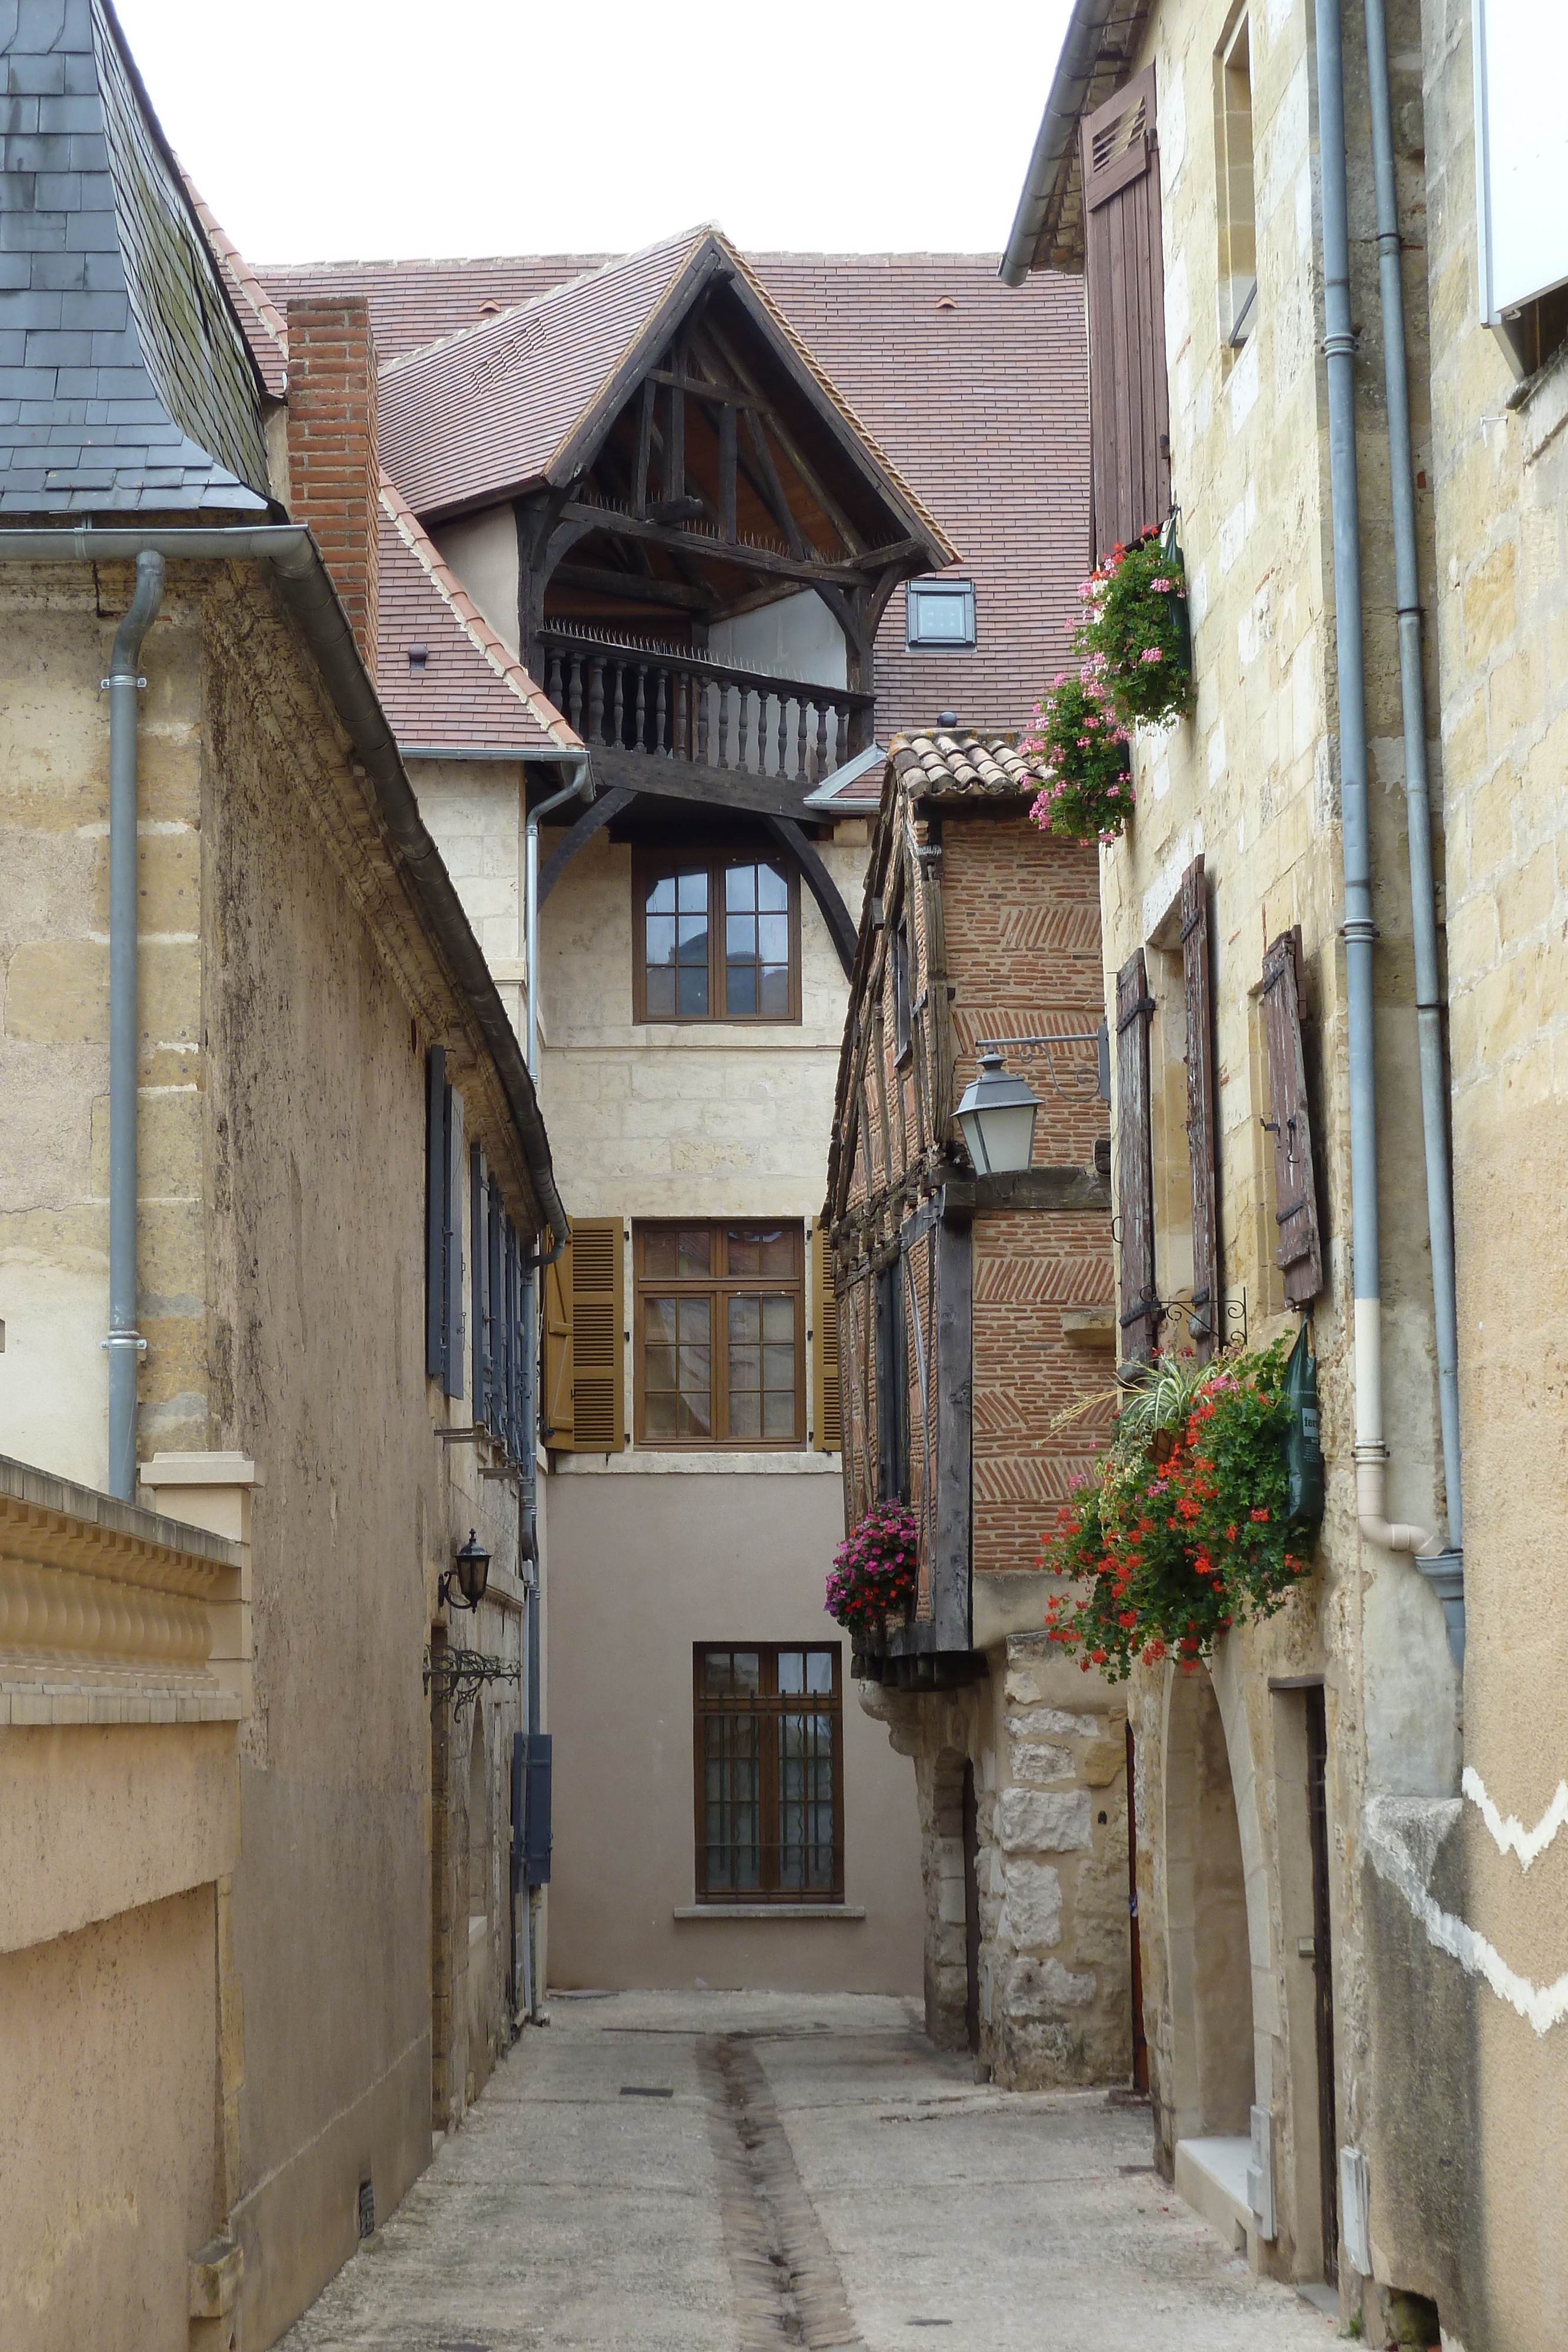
(1129, 413)
(452, 1369)
(557, 1288)
(1298, 1254)
(829, 1431)
(1200, 1134)
(1140, 1308)
(480, 1291)
(436, 1097)
(598, 1307)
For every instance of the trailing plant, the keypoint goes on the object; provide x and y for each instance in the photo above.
(1084, 767)
(1133, 641)
(874, 1567)
(1184, 1527)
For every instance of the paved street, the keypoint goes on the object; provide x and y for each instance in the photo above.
(711, 2172)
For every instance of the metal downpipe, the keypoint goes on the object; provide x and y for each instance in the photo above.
(1359, 930)
(124, 1344)
(581, 785)
(1446, 1569)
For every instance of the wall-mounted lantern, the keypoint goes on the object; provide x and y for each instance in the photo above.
(997, 1116)
(470, 1572)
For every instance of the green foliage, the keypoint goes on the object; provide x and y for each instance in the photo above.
(1183, 1529)
(1085, 770)
(1133, 641)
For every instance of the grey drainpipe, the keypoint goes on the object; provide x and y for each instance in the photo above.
(1360, 931)
(581, 784)
(309, 592)
(124, 1342)
(1446, 1569)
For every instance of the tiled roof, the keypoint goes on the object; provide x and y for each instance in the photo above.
(493, 407)
(982, 407)
(470, 693)
(265, 326)
(963, 766)
(125, 383)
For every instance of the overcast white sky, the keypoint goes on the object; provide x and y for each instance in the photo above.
(327, 130)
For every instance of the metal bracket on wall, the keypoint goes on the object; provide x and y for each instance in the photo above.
(458, 1675)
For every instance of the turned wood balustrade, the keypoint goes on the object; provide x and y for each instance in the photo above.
(682, 706)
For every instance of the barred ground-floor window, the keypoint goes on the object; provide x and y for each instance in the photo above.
(768, 1723)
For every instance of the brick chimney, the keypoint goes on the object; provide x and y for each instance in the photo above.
(332, 476)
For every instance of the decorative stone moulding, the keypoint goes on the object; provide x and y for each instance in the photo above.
(113, 1613)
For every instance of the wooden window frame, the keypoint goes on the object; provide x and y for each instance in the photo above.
(718, 1287)
(650, 864)
(769, 1703)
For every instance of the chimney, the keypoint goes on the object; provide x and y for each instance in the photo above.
(332, 472)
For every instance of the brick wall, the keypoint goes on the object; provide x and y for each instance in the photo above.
(332, 467)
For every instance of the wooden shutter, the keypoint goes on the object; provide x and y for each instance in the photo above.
(1140, 1308)
(556, 1288)
(479, 1280)
(537, 1835)
(452, 1380)
(828, 1433)
(1129, 416)
(1299, 1254)
(598, 1358)
(436, 1097)
(1200, 1133)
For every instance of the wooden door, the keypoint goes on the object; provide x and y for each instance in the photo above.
(1322, 1978)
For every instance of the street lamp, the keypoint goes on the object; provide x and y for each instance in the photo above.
(471, 1570)
(996, 1117)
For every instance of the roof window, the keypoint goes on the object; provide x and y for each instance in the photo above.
(940, 613)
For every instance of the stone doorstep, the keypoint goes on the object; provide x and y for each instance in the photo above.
(1211, 2177)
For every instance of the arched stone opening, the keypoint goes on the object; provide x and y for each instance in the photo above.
(1212, 2086)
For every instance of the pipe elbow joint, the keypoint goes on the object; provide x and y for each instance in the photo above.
(138, 615)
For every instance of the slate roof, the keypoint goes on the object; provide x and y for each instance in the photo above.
(982, 407)
(470, 694)
(963, 766)
(125, 380)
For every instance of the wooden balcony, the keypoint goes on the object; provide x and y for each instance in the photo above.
(665, 704)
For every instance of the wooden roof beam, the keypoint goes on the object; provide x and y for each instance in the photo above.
(741, 553)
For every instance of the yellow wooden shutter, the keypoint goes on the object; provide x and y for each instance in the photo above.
(828, 1434)
(558, 1423)
(598, 1304)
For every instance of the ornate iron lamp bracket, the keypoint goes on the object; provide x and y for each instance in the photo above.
(458, 1675)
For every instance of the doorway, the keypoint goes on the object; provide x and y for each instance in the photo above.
(971, 1910)
(1207, 1928)
(1140, 2043)
(1323, 1978)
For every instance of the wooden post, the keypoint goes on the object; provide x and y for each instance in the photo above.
(726, 464)
(644, 444)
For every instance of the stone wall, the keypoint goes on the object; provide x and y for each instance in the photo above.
(1045, 1748)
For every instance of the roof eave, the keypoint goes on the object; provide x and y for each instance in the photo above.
(1086, 50)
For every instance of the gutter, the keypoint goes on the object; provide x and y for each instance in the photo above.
(1359, 929)
(310, 597)
(1083, 54)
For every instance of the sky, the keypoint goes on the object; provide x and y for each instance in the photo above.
(333, 130)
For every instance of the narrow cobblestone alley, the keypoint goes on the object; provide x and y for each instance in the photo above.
(713, 2172)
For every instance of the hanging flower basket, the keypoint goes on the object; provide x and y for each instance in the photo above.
(874, 1569)
(1134, 630)
(1080, 750)
(1184, 1527)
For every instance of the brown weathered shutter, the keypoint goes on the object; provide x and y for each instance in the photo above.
(1129, 414)
(1299, 1254)
(828, 1433)
(1140, 1308)
(598, 1259)
(558, 1421)
(1200, 1135)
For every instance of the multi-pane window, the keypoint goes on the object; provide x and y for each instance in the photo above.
(717, 938)
(720, 1330)
(770, 1796)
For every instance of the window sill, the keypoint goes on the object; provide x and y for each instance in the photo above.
(768, 1911)
(645, 1461)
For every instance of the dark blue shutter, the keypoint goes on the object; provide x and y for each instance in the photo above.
(436, 1093)
(454, 1361)
(499, 1371)
(536, 1811)
(479, 1302)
